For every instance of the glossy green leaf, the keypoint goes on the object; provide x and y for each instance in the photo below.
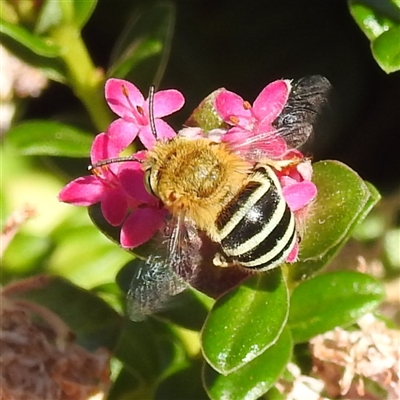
(343, 200)
(143, 49)
(245, 322)
(83, 10)
(374, 17)
(273, 394)
(329, 300)
(49, 138)
(253, 379)
(386, 50)
(380, 22)
(183, 385)
(33, 43)
(92, 320)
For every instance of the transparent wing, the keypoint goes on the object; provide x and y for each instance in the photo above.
(153, 287)
(165, 273)
(295, 124)
(296, 121)
(184, 245)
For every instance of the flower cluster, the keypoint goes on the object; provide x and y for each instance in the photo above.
(248, 131)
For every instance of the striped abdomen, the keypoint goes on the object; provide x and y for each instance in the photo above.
(256, 228)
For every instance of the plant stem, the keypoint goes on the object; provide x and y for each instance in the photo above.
(85, 79)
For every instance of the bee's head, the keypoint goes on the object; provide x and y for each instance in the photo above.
(150, 179)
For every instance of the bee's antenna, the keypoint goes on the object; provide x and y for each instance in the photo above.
(151, 111)
(102, 163)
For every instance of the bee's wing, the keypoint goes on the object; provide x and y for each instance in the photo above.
(296, 121)
(165, 272)
(152, 288)
(295, 124)
(184, 244)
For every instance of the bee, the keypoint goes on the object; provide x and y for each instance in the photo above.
(209, 188)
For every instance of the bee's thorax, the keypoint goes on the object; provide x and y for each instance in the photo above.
(197, 176)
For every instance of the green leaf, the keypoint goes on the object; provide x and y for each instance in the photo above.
(113, 233)
(94, 263)
(128, 386)
(330, 300)
(343, 200)
(374, 17)
(185, 309)
(273, 394)
(380, 22)
(33, 43)
(143, 49)
(255, 378)
(245, 322)
(82, 11)
(49, 138)
(92, 320)
(386, 50)
(62, 12)
(149, 348)
(36, 250)
(204, 115)
(183, 385)
(51, 15)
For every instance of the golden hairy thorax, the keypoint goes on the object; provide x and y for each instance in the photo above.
(197, 177)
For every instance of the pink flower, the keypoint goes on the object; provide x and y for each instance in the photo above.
(119, 186)
(147, 218)
(297, 189)
(252, 130)
(107, 185)
(127, 101)
(103, 185)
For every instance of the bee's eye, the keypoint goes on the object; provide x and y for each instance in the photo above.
(147, 183)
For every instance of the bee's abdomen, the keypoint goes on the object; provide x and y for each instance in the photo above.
(256, 228)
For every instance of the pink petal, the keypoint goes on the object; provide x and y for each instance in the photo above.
(167, 102)
(287, 180)
(114, 206)
(140, 155)
(193, 133)
(140, 226)
(292, 257)
(237, 135)
(102, 148)
(228, 104)
(305, 170)
(116, 99)
(270, 144)
(132, 181)
(123, 133)
(293, 154)
(299, 194)
(270, 102)
(164, 131)
(255, 146)
(146, 136)
(84, 191)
